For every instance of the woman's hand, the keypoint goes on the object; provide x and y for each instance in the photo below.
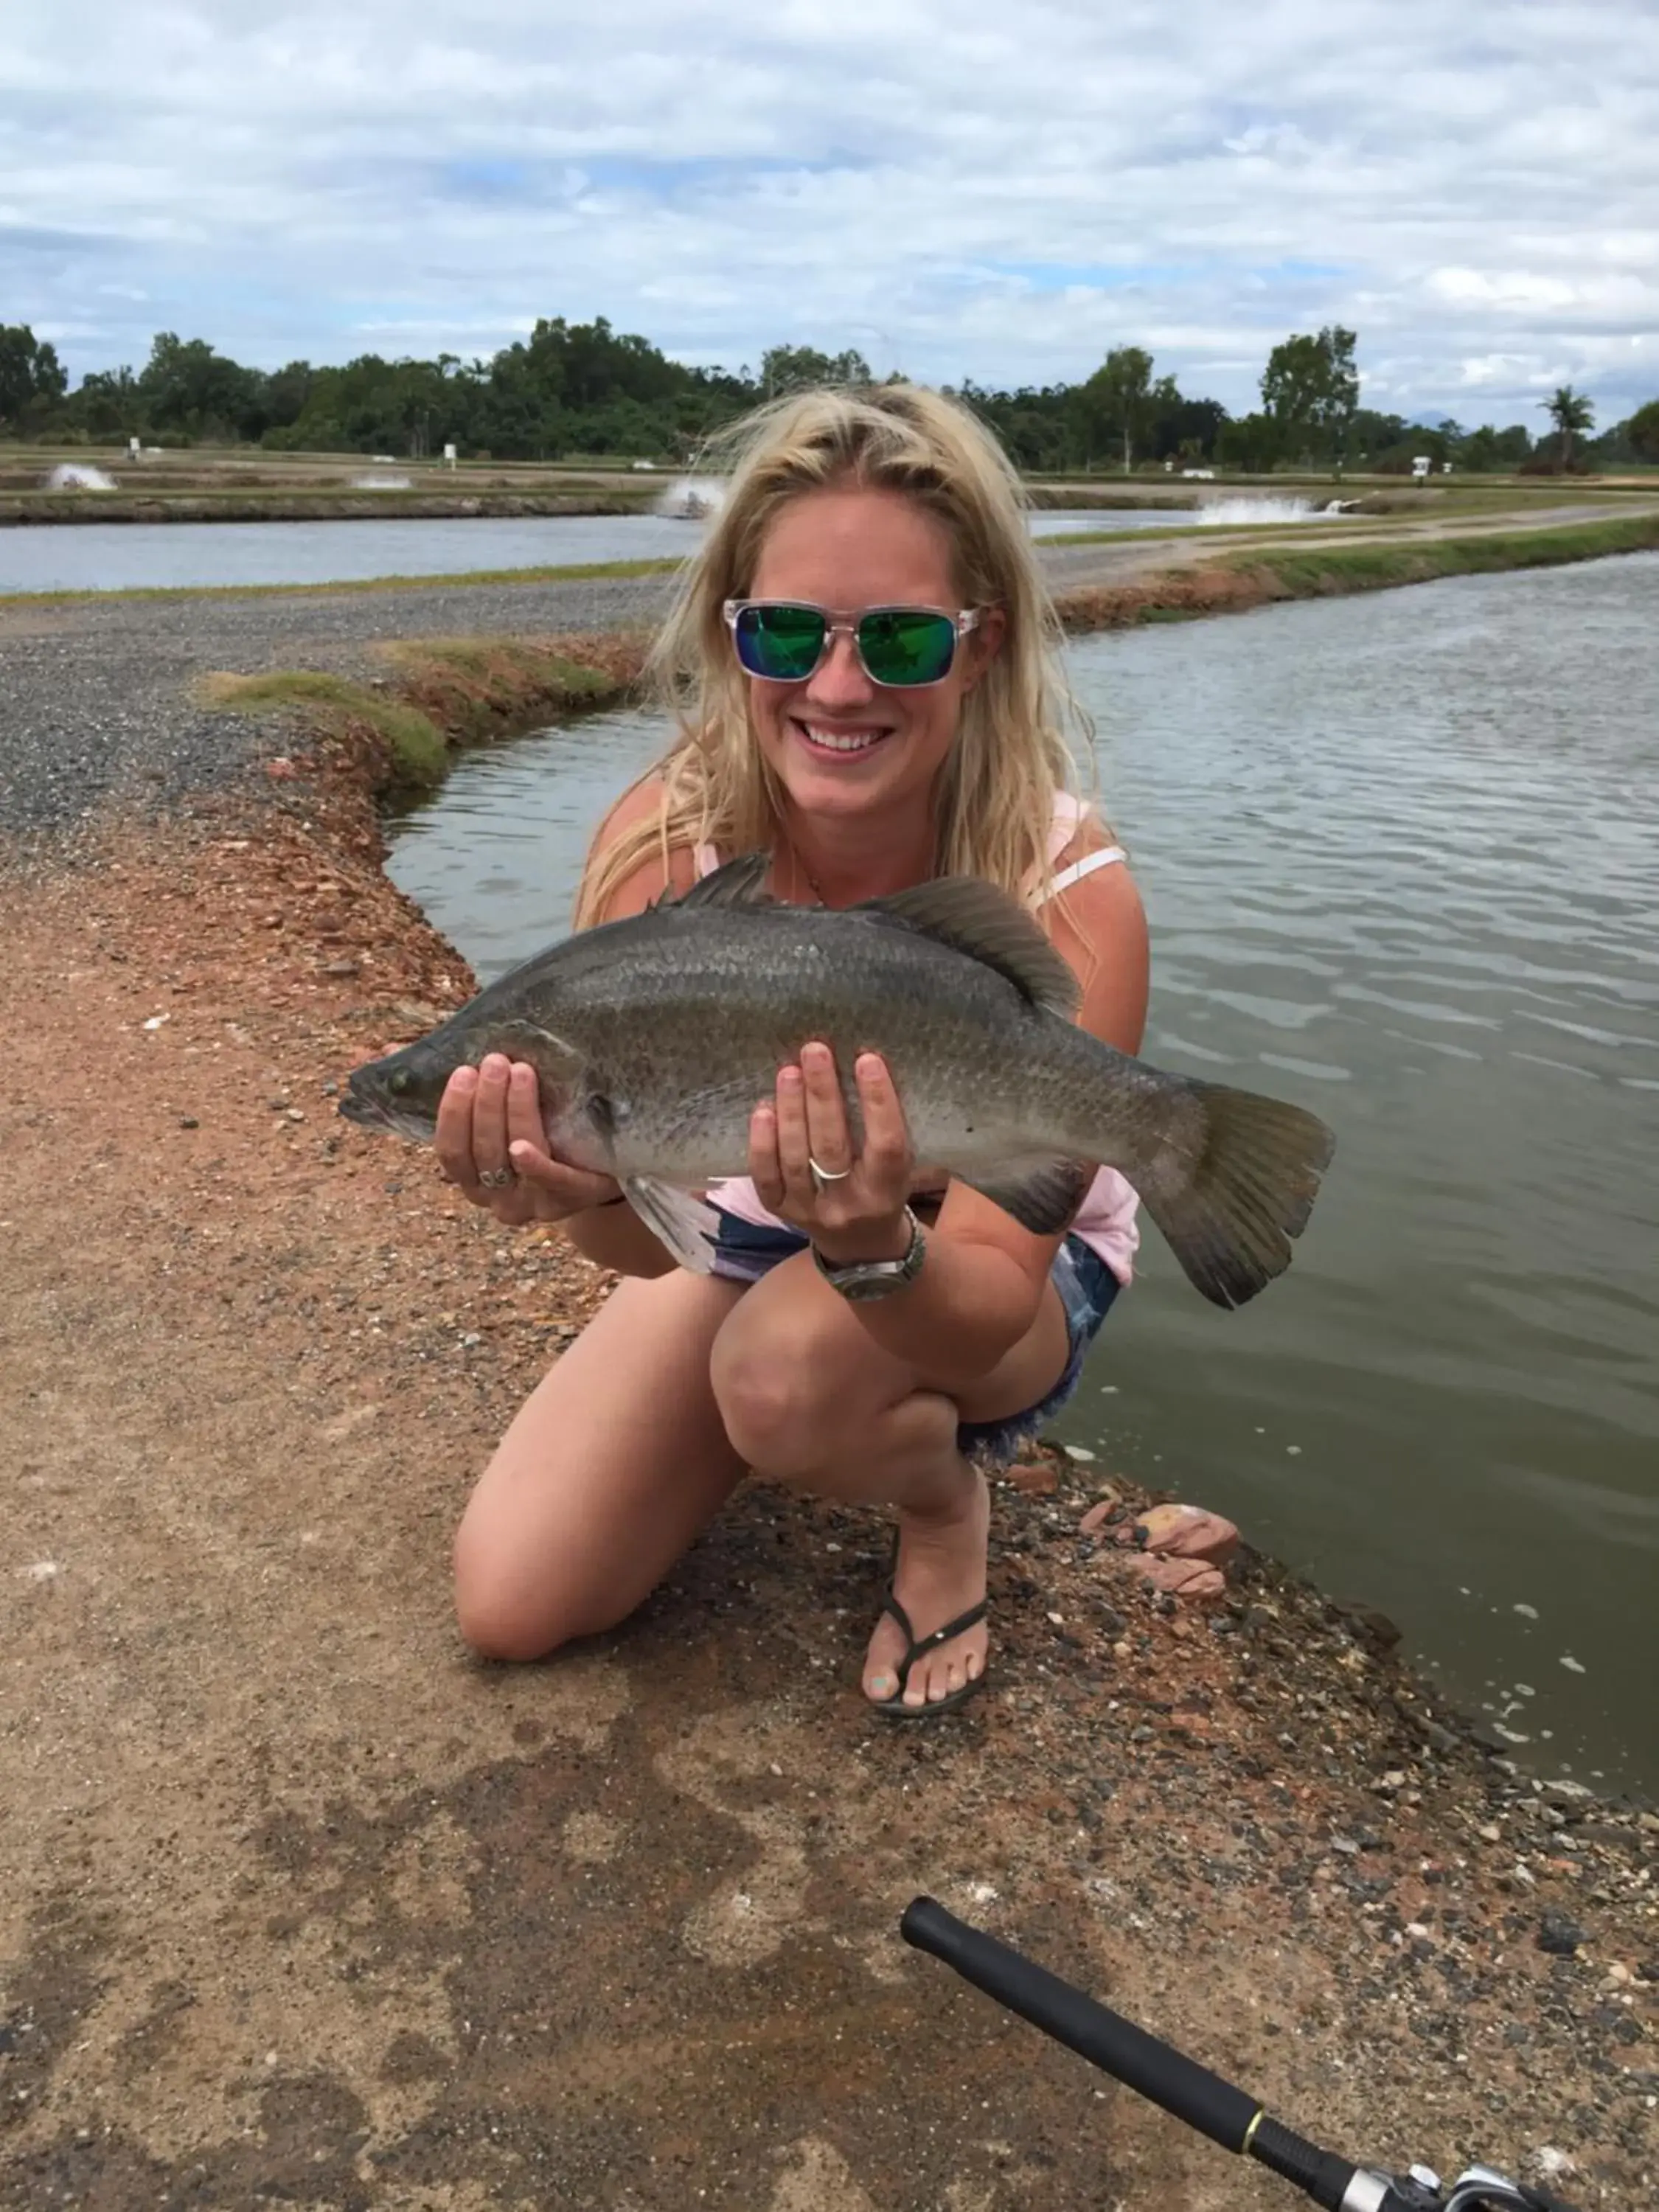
(855, 1210)
(491, 1146)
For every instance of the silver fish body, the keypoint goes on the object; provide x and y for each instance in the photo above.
(655, 1038)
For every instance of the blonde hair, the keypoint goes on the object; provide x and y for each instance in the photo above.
(995, 800)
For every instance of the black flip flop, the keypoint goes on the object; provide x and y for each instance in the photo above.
(894, 1708)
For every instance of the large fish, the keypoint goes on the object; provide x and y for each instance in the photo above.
(654, 1037)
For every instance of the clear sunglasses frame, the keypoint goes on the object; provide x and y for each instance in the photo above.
(840, 621)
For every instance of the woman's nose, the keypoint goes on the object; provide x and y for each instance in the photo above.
(839, 680)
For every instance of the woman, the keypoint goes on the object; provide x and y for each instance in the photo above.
(867, 752)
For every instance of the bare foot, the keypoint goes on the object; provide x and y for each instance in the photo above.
(940, 1574)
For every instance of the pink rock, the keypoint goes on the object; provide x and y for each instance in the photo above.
(1191, 1579)
(1180, 1531)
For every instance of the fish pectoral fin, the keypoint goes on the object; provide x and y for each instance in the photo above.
(550, 1055)
(687, 1226)
(1043, 1199)
(737, 883)
(974, 917)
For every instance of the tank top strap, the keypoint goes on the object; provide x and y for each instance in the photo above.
(1070, 814)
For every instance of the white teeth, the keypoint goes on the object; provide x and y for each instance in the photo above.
(835, 741)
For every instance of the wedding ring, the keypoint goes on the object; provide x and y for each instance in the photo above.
(822, 1175)
(497, 1178)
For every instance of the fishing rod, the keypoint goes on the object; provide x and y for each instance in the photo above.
(1158, 2071)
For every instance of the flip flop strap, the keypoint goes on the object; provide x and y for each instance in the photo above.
(919, 1645)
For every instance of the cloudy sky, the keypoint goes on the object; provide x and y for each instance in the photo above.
(995, 191)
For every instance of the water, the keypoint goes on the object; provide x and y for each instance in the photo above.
(1054, 521)
(1400, 856)
(105, 556)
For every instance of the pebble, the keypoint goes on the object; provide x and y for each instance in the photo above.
(1559, 1935)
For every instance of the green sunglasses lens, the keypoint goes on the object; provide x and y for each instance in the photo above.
(908, 645)
(783, 643)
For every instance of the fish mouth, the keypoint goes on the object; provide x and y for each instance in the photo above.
(839, 748)
(371, 1113)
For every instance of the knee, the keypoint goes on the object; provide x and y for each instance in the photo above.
(776, 1409)
(505, 1613)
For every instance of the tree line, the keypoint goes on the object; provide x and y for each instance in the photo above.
(580, 389)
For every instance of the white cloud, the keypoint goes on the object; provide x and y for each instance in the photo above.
(963, 191)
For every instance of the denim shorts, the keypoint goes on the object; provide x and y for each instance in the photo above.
(746, 1250)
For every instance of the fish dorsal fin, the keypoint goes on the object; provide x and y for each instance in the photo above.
(737, 883)
(974, 917)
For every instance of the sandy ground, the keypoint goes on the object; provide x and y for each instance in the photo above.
(302, 1904)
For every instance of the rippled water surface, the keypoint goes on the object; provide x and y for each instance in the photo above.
(1401, 859)
(104, 556)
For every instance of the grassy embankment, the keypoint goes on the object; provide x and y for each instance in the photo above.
(442, 693)
(572, 572)
(1261, 576)
(446, 692)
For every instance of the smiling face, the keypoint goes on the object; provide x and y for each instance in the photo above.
(840, 744)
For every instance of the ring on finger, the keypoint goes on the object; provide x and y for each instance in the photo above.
(821, 1176)
(497, 1178)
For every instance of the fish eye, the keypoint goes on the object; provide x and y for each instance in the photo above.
(398, 1079)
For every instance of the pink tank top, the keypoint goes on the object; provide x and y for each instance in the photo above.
(1106, 1219)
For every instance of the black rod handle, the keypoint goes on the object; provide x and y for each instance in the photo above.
(1104, 2038)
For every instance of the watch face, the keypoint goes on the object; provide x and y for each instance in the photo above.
(875, 1279)
(860, 1286)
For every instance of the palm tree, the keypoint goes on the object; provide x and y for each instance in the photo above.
(1570, 412)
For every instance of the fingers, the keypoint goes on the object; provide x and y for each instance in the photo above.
(805, 1125)
(489, 1138)
(828, 1141)
(764, 1170)
(453, 1141)
(488, 1124)
(523, 1110)
(794, 1146)
(886, 1157)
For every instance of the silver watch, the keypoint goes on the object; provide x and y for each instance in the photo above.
(859, 1279)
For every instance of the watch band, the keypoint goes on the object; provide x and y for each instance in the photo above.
(859, 1279)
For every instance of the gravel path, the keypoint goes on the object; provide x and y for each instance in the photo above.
(98, 706)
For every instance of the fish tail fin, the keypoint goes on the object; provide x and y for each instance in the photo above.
(1231, 1185)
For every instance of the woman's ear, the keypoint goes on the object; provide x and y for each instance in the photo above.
(984, 643)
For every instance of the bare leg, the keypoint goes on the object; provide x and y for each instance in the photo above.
(610, 1469)
(809, 1399)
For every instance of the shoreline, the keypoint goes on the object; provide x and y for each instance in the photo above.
(305, 1900)
(445, 693)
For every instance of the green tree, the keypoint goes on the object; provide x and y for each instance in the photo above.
(105, 406)
(800, 368)
(32, 379)
(1253, 444)
(1642, 431)
(1119, 399)
(188, 389)
(1311, 387)
(1572, 415)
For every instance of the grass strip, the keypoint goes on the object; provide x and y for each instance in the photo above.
(445, 692)
(1263, 574)
(1307, 572)
(580, 572)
